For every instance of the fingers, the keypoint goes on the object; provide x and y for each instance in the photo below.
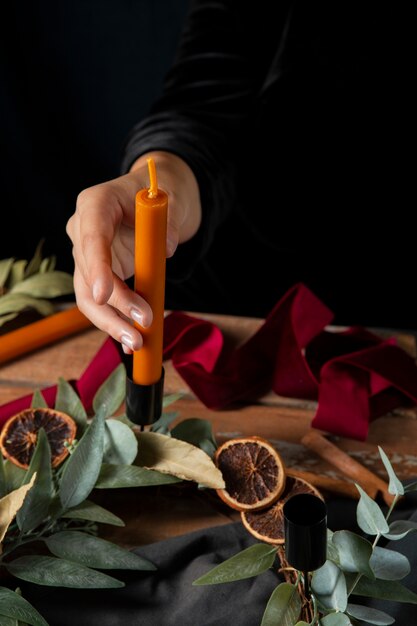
(116, 316)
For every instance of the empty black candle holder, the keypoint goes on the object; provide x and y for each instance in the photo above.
(305, 527)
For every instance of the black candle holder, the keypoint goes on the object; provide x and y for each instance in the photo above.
(305, 527)
(143, 402)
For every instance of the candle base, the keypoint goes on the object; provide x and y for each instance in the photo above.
(144, 402)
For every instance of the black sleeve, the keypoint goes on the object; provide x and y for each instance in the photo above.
(201, 115)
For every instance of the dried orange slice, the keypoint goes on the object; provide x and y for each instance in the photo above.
(268, 524)
(253, 471)
(20, 433)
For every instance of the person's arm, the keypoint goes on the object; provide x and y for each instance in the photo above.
(195, 131)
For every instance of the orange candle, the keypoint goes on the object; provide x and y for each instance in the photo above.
(40, 333)
(151, 209)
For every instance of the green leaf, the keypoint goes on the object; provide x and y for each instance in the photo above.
(410, 487)
(161, 425)
(5, 267)
(197, 432)
(47, 265)
(369, 515)
(335, 619)
(7, 318)
(14, 606)
(16, 302)
(35, 262)
(69, 402)
(53, 572)
(302, 624)
(94, 552)
(284, 606)
(49, 285)
(120, 443)
(250, 562)
(367, 614)
(119, 476)
(389, 564)
(382, 589)
(111, 394)
(36, 504)
(3, 479)
(38, 400)
(354, 552)
(83, 466)
(171, 398)
(399, 529)
(17, 272)
(15, 475)
(395, 486)
(329, 584)
(88, 510)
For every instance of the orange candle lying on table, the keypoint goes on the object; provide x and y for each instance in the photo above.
(151, 210)
(40, 333)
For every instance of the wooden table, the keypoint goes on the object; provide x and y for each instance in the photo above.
(152, 514)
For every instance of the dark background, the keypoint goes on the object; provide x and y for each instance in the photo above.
(75, 77)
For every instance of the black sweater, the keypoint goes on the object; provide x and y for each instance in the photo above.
(290, 117)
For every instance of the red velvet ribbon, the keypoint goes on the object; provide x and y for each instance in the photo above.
(354, 374)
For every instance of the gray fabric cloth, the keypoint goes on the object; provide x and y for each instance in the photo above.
(166, 597)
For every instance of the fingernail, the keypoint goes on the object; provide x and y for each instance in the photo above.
(171, 247)
(137, 316)
(126, 350)
(128, 341)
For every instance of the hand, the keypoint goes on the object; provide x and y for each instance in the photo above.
(102, 232)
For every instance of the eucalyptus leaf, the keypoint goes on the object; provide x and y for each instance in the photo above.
(47, 265)
(302, 623)
(120, 476)
(179, 458)
(284, 606)
(94, 552)
(111, 394)
(68, 401)
(354, 552)
(55, 572)
(14, 606)
(410, 487)
(125, 420)
(367, 614)
(35, 262)
(382, 589)
(329, 585)
(389, 564)
(163, 423)
(395, 486)
(83, 466)
(16, 302)
(369, 516)
(7, 318)
(5, 267)
(170, 399)
(399, 529)
(38, 400)
(196, 431)
(36, 505)
(250, 562)
(17, 272)
(48, 285)
(15, 475)
(335, 619)
(88, 510)
(120, 443)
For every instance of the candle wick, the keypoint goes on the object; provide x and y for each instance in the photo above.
(153, 180)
